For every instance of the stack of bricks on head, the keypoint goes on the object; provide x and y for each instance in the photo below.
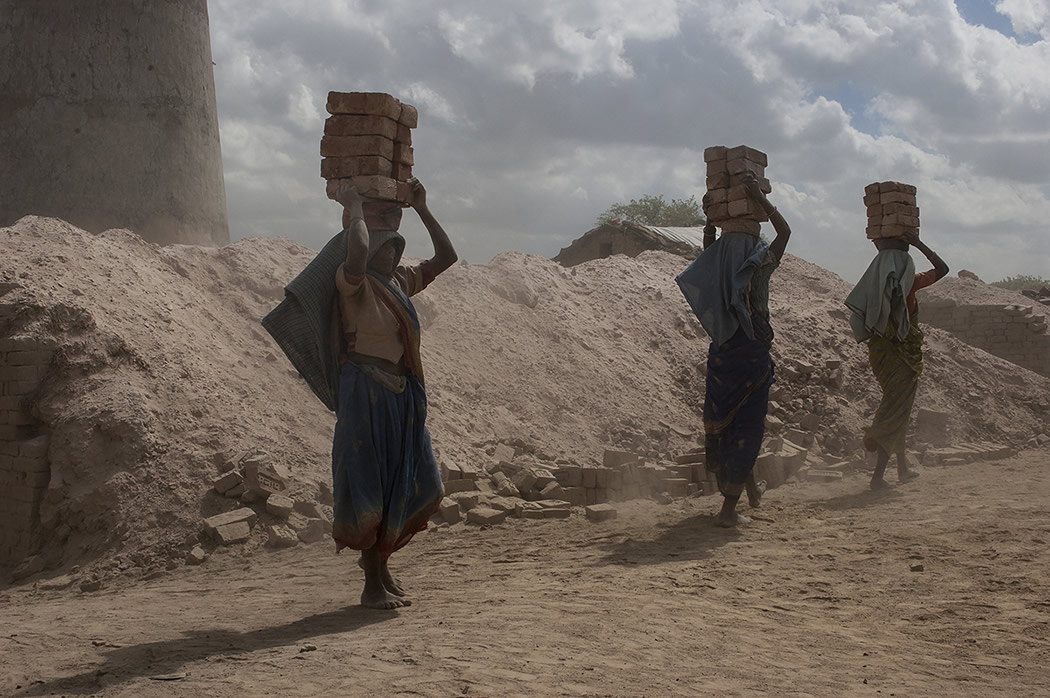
(891, 209)
(368, 140)
(731, 208)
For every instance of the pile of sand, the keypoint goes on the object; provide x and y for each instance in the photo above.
(163, 374)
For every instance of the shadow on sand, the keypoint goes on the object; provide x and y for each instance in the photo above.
(859, 500)
(165, 658)
(693, 538)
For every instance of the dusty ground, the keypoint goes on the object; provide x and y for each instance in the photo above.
(815, 598)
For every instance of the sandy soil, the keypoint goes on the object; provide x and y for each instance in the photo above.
(817, 597)
(162, 376)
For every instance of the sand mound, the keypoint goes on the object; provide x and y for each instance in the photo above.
(963, 291)
(162, 375)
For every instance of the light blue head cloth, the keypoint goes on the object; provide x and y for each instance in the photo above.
(715, 284)
(879, 301)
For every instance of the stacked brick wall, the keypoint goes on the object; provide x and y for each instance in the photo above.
(1011, 332)
(24, 467)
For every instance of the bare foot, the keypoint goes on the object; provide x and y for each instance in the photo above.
(731, 521)
(382, 599)
(755, 490)
(390, 582)
(879, 484)
(906, 475)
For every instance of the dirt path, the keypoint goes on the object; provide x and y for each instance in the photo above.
(817, 598)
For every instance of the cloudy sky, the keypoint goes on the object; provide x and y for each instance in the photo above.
(537, 115)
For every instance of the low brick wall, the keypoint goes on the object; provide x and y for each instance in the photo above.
(1011, 332)
(24, 467)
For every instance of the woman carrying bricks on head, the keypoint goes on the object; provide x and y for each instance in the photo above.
(727, 287)
(366, 367)
(885, 314)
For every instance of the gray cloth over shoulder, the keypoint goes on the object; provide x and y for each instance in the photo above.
(306, 324)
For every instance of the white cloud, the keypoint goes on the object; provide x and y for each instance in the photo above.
(1027, 16)
(536, 115)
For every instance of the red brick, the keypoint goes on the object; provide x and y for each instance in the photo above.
(747, 208)
(903, 209)
(16, 510)
(20, 387)
(718, 212)
(404, 154)
(347, 125)
(899, 219)
(12, 403)
(715, 153)
(16, 417)
(352, 146)
(22, 464)
(737, 193)
(18, 373)
(740, 166)
(243, 514)
(37, 480)
(404, 192)
(27, 358)
(24, 494)
(231, 533)
(337, 168)
(369, 187)
(897, 197)
(742, 151)
(717, 180)
(371, 103)
(735, 180)
(9, 432)
(895, 231)
(409, 116)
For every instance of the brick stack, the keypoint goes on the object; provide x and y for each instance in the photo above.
(24, 467)
(1015, 333)
(731, 208)
(368, 139)
(891, 209)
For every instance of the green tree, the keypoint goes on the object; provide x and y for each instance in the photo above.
(653, 210)
(1022, 282)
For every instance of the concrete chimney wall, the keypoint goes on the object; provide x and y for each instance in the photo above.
(108, 117)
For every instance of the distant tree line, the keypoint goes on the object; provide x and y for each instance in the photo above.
(655, 211)
(1022, 282)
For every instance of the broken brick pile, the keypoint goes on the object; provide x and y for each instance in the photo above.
(507, 487)
(262, 488)
(892, 210)
(731, 209)
(368, 140)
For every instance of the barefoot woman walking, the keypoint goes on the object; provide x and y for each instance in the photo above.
(349, 327)
(885, 314)
(728, 288)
